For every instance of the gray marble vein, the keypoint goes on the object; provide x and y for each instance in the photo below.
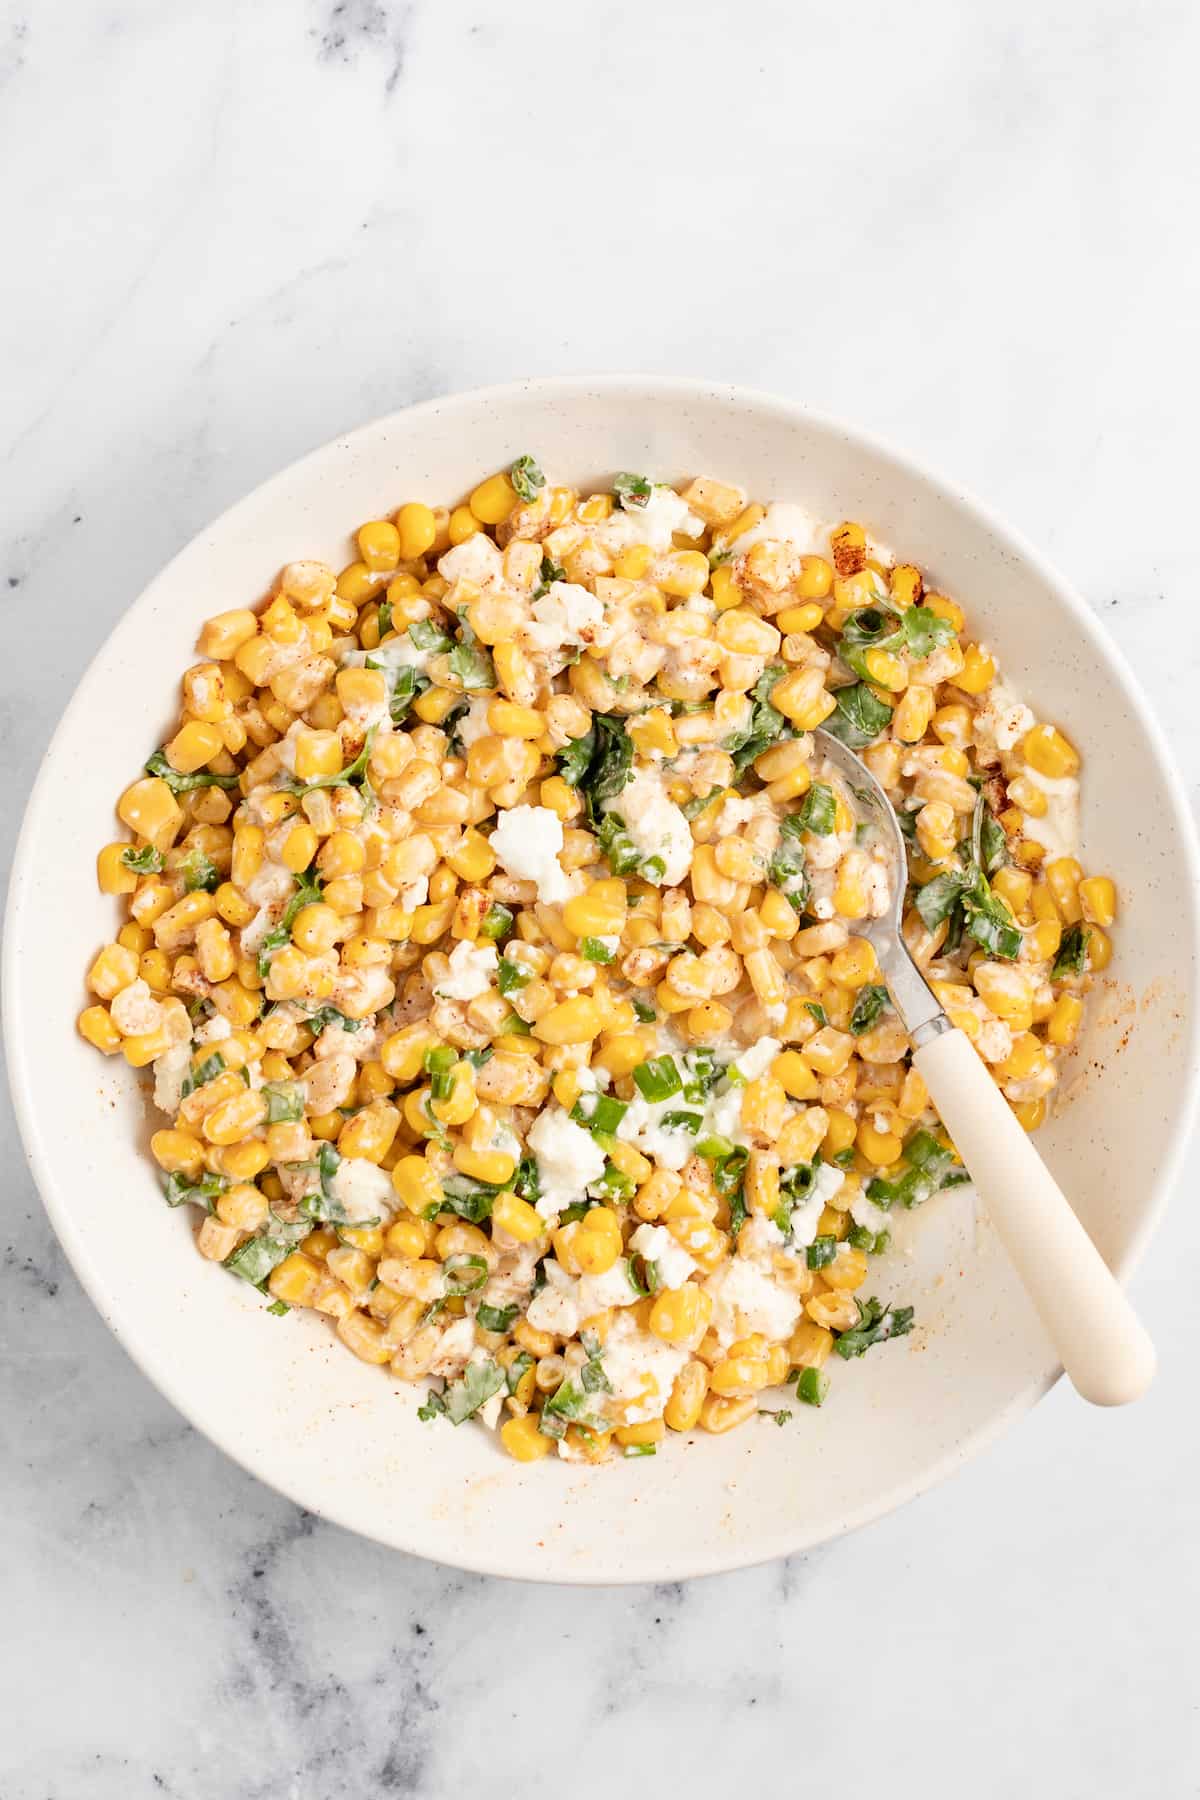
(233, 231)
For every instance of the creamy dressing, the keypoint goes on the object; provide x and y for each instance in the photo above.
(655, 824)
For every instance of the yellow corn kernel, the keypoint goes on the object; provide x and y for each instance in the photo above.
(828, 1051)
(1029, 1113)
(911, 719)
(687, 1396)
(524, 1440)
(472, 858)
(978, 671)
(1049, 752)
(517, 1217)
(507, 719)
(235, 1118)
(1063, 876)
(493, 1166)
(222, 636)
(299, 848)
(113, 876)
(379, 545)
(879, 1147)
(113, 969)
(1098, 899)
(680, 1315)
(95, 1025)
(416, 529)
(416, 1184)
(148, 807)
(794, 1075)
(855, 964)
(492, 501)
(248, 850)
(370, 1133)
(341, 854)
(802, 697)
(295, 1279)
(850, 899)
(1062, 1027)
(316, 929)
(195, 744)
(575, 1021)
(719, 1413)
(809, 1345)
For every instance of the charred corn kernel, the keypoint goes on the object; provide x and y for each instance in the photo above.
(802, 698)
(416, 529)
(1098, 899)
(911, 719)
(855, 964)
(148, 807)
(517, 1217)
(492, 501)
(95, 1024)
(978, 671)
(1063, 876)
(719, 1413)
(1049, 752)
(524, 1440)
(680, 1315)
(575, 1021)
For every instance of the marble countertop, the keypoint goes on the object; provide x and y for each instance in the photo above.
(235, 230)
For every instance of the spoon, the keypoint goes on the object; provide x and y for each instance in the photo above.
(1103, 1346)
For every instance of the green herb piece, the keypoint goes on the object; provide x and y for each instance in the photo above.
(682, 1121)
(870, 1003)
(329, 1015)
(574, 1401)
(469, 1200)
(714, 1148)
(285, 1101)
(515, 1025)
(472, 668)
(575, 758)
(279, 1308)
(549, 573)
(691, 809)
(613, 1184)
(601, 1113)
(787, 870)
(495, 1318)
(701, 1072)
(858, 717)
(817, 1011)
(511, 976)
(594, 949)
(821, 1252)
(658, 1078)
(409, 683)
(497, 922)
(184, 784)
(993, 843)
(924, 631)
(423, 634)
(937, 899)
(385, 617)
(817, 811)
(781, 1414)
(1072, 953)
(203, 1073)
(644, 1010)
(432, 1407)
(765, 726)
(464, 1274)
(437, 1064)
(179, 1190)
(462, 1399)
(812, 1385)
(930, 1167)
(199, 872)
(477, 1058)
(354, 771)
(876, 1323)
(622, 854)
(255, 1259)
(146, 861)
(630, 490)
(639, 1450)
(517, 1368)
(526, 478)
(308, 892)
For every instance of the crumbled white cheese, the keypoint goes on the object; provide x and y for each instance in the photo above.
(1058, 829)
(170, 1072)
(670, 1145)
(362, 1190)
(555, 1307)
(568, 1158)
(473, 724)
(454, 1348)
(1000, 722)
(805, 1219)
(476, 559)
(757, 1060)
(472, 967)
(613, 1288)
(656, 1244)
(640, 1367)
(746, 1299)
(135, 1010)
(566, 615)
(656, 825)
(527, 840)
(213, 1030)
(785, 523)
(864, 1212)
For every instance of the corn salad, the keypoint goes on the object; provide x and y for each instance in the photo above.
(495, 940)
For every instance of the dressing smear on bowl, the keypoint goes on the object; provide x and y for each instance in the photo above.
(494, 937)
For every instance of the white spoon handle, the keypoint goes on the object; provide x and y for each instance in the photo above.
(1103, 1345)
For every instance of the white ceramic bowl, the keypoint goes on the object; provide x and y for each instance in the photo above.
(281, 1395)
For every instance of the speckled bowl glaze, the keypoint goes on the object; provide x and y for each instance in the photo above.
(281, 1395)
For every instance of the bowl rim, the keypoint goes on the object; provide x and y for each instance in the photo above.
(420, 1541)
